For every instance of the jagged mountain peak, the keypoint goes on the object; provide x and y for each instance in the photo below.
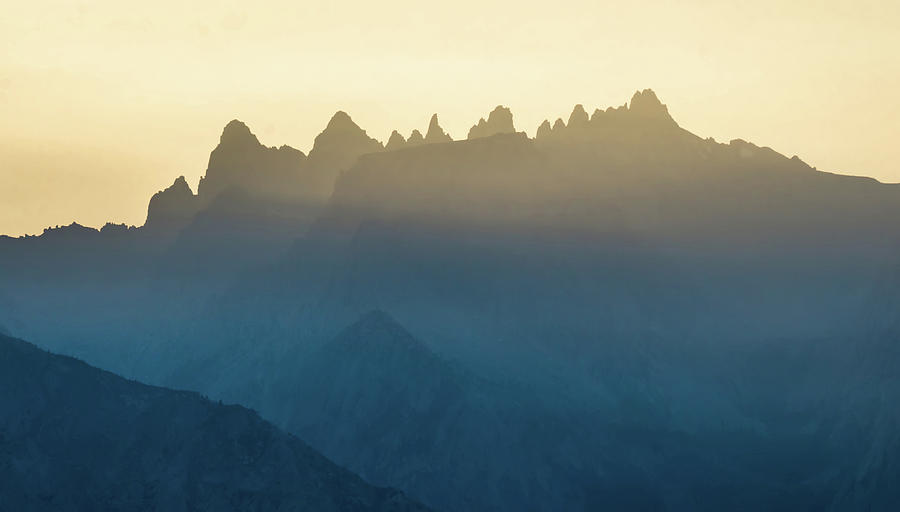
(342, 134)
(646, 104)
(435, 133)
(172, 206)
(543, 130)
(236, 133)
(341, 121)
(180, 185)
(578, 117)
(395, 141)
(415, 138)
(73, 229)
(500, 120)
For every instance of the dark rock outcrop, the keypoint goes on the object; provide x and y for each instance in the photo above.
(435, 133)
(336, 149)
(558, 126)
(578, 119)
(646, 106)
(415, 139)
(241, 161)
(544, 130)
(396, 141)
(172, 208)
(500, 120)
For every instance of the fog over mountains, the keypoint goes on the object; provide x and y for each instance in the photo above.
(614, 314)
(78, 438)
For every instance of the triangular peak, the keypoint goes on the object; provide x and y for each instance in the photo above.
(435, 133)
(342, 133)
(645, 104)
(395, 141)
(237, 134)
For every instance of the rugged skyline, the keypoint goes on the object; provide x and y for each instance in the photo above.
(457, 256)
(616, 312)
(105, 103)
(288, 174)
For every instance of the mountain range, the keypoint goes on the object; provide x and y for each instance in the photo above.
(73, 437)
(615, 313)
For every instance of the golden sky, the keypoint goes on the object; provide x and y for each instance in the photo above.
(104, 102)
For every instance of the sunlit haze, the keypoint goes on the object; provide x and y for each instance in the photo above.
(104, 103)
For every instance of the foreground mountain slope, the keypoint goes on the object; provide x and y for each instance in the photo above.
(73, 437)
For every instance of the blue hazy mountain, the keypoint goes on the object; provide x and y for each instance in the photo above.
(73, 437)
(614, 313)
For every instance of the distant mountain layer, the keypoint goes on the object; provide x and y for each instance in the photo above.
(73, 437)
(614, 313)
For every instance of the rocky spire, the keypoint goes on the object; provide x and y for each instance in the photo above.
(578, 118)
(237, 135)
(415, 139)
(645, 105)
(559, 125)
(173, 207)
(543, 130)
(342, 140)
(396, 141)
(336, 149)
(241, 161)
(435, 133)
(500, 120)
(341, 122)
(478, 129)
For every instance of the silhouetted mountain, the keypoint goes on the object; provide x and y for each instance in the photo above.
(77, 438)
(173, 208)
(415, 139)
(645, 105)
(336, 149)
(241, 161)
(630, 170)
(73, 231)
(256, 200)
(118, 230)
(500, 120)
(613, 314)
(396, 141)
(559, 125)
(544, 130)
(435, 133)
(378, 400)
(578, 119)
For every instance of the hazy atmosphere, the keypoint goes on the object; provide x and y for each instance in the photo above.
(103, 102)
(464, 257)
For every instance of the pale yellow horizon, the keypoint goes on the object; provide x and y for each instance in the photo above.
(104, 103)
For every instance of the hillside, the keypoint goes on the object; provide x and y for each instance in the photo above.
(73, 437)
